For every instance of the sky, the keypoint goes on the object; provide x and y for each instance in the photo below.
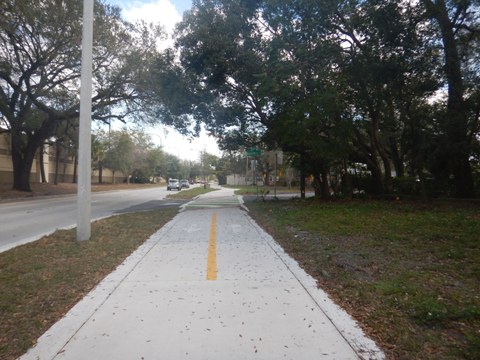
(167, 13)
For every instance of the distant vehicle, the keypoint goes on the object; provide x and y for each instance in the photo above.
(174, 184)
(184, 184)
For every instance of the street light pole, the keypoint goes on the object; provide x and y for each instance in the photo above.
(84, 143)
(275, 176)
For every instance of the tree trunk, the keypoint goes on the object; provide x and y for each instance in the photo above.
(423, 187)
(75, 169)
(367, 154)
(57, 161)
(388, 181)
(302, 176)
(324, 184)
(377, 178)
(100, 173)
(65, 160)
(463, 179)
(317, 186)
(457, 120)
(373, 165)
(397, 159)
(22, 161)
(379, 150)
(42, 165)
(391, 144)
(346, 179)
(21, 174)
(24, 148)
(457, 128)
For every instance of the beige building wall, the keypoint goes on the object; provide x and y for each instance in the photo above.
(107, 176)
(66, 166)
(236, 179)
(5, 160)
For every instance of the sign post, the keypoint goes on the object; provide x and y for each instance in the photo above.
(253, 152)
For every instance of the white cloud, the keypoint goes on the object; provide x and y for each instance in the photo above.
(178, 145)
(161, 12)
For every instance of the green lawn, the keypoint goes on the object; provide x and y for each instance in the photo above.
(408, 272)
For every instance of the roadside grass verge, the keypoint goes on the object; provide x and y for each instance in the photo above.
(41, 281)
(262, 190)
(190, 193)
(408, 272)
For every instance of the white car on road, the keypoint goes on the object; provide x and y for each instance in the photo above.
(174, 184)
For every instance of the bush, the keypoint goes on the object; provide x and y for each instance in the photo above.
(363, 183)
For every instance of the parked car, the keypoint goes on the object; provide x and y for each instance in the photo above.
(174, 184)
(184, 184)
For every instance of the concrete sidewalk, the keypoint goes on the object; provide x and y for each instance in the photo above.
(160, 305)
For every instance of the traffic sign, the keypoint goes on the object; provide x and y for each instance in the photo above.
(254, 152)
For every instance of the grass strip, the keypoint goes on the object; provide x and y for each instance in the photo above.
(262, 190)
(191, 193)
(41, 281)
(408, 272)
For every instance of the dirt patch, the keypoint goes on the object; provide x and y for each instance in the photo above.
(37, 190)
(47, 189)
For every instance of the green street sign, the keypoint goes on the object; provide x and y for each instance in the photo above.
(254, 152)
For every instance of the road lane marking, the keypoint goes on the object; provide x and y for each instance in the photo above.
(212, 250)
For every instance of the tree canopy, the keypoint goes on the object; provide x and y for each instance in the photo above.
(392, 85)
(40, 54)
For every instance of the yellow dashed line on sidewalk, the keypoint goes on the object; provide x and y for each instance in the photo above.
(212, 250)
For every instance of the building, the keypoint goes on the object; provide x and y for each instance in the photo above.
(58, 166)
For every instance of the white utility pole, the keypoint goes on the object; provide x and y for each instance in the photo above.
(275, 176)
(84, 144)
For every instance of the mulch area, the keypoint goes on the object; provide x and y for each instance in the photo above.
(48, 189)
(7, 193)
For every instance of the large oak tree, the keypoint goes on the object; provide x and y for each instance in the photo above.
(458, 27)
(40, 53)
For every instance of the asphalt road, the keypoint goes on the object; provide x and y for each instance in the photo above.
(25, 221)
